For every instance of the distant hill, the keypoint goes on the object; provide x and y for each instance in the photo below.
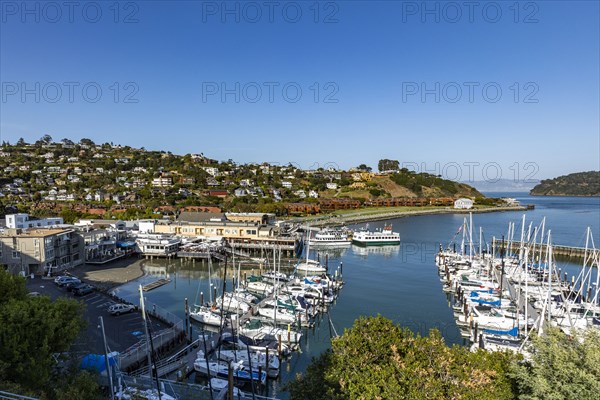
(577, 184)
(504, 185)
(427, 185)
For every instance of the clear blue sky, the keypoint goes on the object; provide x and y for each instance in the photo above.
(377, 56)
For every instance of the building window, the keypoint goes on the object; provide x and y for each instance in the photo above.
(16, 255)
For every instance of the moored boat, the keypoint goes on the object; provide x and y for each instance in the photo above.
(376, 238)
(331, 237)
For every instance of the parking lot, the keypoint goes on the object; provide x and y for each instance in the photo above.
(121, 331)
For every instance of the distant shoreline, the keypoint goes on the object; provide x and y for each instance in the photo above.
(338, 220)
(565, 195)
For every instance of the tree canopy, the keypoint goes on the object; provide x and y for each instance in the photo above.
(561, 367)
(376, 359)
(388, 165)
(32, 331)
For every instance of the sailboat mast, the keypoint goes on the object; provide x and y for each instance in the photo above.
(549, 277)
(522, 238)
(471, 237)
(480, 242)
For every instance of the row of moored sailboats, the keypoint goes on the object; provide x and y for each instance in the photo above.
(500, 298)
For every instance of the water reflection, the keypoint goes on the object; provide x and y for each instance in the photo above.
(387, 251)
(332, 253)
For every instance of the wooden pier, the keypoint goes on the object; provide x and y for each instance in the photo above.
(155, 284)
(557, 250)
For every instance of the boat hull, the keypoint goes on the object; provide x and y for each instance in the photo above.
(375, 242)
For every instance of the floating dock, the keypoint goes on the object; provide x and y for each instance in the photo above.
(155, 284)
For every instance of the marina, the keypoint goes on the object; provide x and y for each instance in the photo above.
(238, 311)
(416, 293)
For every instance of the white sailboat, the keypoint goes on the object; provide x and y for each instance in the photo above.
(204, 314)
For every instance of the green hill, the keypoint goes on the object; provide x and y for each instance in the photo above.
(577, 184)
(428, 185)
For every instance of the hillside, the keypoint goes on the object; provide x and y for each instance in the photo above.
(86, 178)
(427, 185)
(577, 184)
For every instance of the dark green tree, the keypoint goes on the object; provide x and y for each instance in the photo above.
(376, 359)
(388, 165)
(561, 367)
(32, 330)
(46, 139)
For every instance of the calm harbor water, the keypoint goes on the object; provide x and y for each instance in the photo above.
(398, 282)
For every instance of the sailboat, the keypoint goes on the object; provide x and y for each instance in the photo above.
(310, 266)
(240, 370)
(205, 314)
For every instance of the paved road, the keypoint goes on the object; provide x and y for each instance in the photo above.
(121, 331)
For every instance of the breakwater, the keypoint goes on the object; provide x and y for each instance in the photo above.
(358, 217)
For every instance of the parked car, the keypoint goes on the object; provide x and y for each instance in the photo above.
(83, 290)
(118, 309)
(72, 286)
(67, 280)
(59, 279)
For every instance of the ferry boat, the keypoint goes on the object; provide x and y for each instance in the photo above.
(331, 237)
(377, 238)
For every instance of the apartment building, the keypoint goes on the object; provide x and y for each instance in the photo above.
(40, 250)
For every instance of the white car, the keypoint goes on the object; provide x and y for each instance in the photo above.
(60, 278)
(67, 279)
(118, 309)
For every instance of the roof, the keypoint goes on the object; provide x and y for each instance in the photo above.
(38, 232)
(190, 216)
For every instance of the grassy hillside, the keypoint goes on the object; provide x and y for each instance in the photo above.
(427, 185)
(577, 184)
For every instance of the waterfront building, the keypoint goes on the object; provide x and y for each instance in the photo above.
(257, 218)
(463, 203)
(245, 235)
(338, 204)
(157, 245)
(40, 250)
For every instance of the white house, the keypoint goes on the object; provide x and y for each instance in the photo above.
(163, 181)
(300, 193)
(313, 194)
(286, 184)
(463, 203)
(23, 221)
(211, 171)
(239, 192)
(331, 185)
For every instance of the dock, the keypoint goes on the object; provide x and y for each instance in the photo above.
(557, 250)
(155, 284)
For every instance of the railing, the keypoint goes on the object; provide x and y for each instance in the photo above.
(138, 352)
(13, 396)
(168, 365)
(181, 391)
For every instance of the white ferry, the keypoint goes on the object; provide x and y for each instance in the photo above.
(377, 238)
(331, 237)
